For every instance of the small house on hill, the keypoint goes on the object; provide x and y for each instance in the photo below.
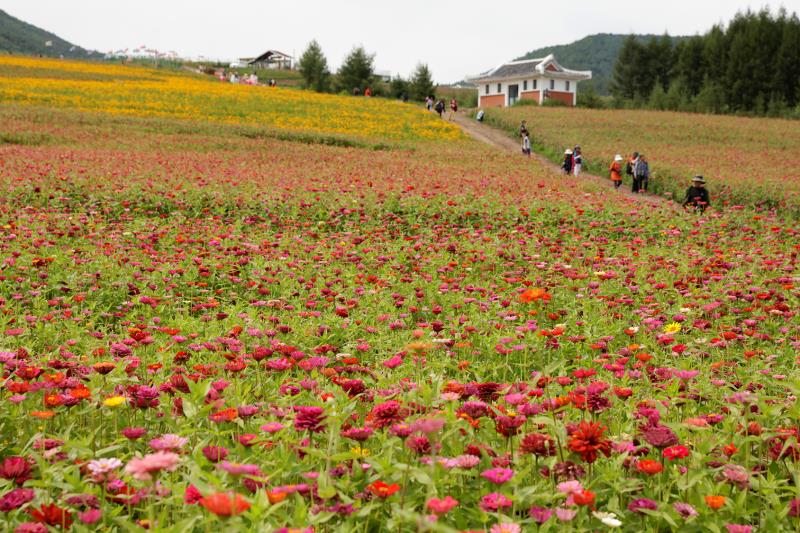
(530, 79)
(270, 59)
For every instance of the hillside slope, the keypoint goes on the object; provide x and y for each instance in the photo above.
(597, 53)
(19, 37)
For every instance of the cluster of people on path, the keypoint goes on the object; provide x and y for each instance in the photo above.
(573, 161)
(431, 104)
(637, 168)
(244, 79)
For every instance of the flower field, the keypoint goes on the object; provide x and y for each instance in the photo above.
(746, 160)
(201, 328)
(120, 90)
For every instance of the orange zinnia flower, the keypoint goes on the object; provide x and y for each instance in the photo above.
(224, 504)
(44, 415)
(532, 295)
(276, 496)
(649, 467)
(715, 502)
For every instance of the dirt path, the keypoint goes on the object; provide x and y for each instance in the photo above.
(498, 139)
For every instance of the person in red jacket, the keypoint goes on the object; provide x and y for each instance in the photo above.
(616, 171)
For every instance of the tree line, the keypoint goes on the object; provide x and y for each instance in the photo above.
(357, 73)
(750, 66)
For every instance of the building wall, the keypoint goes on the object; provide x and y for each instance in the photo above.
(531, 95)
(566, 97)
(492, 100)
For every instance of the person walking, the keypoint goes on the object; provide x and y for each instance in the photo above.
(616, 171)
(577, 160)
(367, 92)
(567, 165)
(523, 128)
(526, 144)
(428, 103)
(440, 107)
(641, 171)
(453, 108)
(629, 168)
(697, 195)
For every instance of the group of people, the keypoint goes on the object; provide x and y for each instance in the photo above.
(636, 167)
(573, 161)
(432, 104)
(244, 79)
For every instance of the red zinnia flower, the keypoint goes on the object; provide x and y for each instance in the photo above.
(584, 497)
(225, 504)
(52, 515)
(381, 489)
(588, 440)
(649, 467)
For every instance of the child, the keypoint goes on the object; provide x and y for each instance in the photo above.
(616, 171)
(567, 166)
(526, 144)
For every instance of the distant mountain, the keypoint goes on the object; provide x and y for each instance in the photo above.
(597, 53)
(18, 37)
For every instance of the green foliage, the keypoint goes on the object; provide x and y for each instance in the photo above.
(752, 66)
(421, 85)
(398, 87)
(313, 67)
(18, 37)
(587, 97)
(357, 71)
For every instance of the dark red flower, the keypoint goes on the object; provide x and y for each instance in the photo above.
(15, 468)
(538, 444)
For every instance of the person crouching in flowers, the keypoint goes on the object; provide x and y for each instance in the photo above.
(616, 171)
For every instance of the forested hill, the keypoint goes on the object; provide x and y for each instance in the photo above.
(18, 37)
(597, 53)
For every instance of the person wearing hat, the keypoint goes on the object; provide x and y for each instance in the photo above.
(568, 161)
(697, 195)
(616, 171)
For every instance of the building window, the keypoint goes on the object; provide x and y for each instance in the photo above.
(567, 82)
(552, 85)
(487, 88)
(534, 84)
(499, 87)
(525, 85)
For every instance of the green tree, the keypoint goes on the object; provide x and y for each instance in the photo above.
(357, 70)
(421, 85)
(314, 67)
(398, 87)
(623, 81)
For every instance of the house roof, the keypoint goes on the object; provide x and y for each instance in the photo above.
(530, 68)
(268, 54)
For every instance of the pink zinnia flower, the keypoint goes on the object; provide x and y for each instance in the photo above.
(90, 516)
(240, 469)
(143, 468)
(168, 441)
(498, 475)
(443, 506)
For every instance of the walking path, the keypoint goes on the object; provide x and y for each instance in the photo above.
(498, 139)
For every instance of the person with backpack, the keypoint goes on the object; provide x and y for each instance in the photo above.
(577, 160)
(440, 107)
(629, 169)
(641, 172)
(616, 171)
(568, 161)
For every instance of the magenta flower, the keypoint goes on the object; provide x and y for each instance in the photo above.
(493, 502)
(15, 499)
(540, 515)
(133, 433)
(309, 418)
(636, 506)
(357, 434)
(90, 516)
(684, 509)
(215, 454)
(498, 475)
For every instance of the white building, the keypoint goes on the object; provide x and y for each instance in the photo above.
(530, 79)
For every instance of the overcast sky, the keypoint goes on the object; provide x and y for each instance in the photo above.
(455, 37)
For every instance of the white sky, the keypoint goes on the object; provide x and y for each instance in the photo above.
(455, 37)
